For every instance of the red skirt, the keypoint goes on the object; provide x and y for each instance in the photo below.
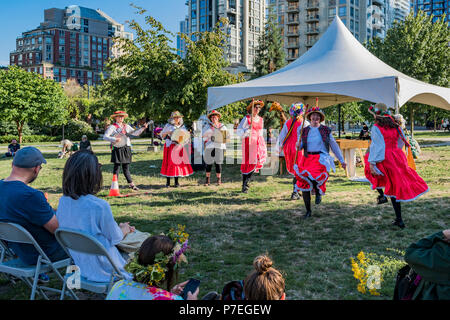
(176, 162)
(402, 182)
(376, 182)
(309, 170)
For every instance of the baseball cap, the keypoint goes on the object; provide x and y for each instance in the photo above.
(28, 157)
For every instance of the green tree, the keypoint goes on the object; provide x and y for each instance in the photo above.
(270, 55)
(417, 47)
(350, 112)
(149, 78)
(28, 97)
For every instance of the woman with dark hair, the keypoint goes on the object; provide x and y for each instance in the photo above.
(155, 269)
(80, 209)
(388, 164)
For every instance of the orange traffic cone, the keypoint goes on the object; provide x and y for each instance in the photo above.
(114, 191)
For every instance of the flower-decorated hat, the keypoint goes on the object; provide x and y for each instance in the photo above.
(315, 110)
(154, 274)
(255, 103)
(214, 113)
(296, 109)
(380, 110)
(119, 113)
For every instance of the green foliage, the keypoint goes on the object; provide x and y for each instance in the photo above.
(9, 128)
(350, 112)
(29, 138)
(28, 97)
(417, 47)
(270, 55)
(150, 79)
(74, 129)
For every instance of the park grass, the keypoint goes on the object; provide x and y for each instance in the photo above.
(229, 229)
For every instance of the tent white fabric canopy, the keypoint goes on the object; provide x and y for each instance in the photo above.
(336, 69)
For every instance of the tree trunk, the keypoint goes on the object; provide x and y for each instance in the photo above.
(435, 125)
(411, 118)
(19, 131)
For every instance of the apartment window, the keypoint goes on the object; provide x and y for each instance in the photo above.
(61, 33)
(94, 39)
(56, 71)
(342, 1)
(63, 72)
(332, 12)
(39, 40)
(62, 41)
(86, 30)
(33, 41)
(99, 47)
(48, 47)
(85, 22)
(342, 11)
(352, 12)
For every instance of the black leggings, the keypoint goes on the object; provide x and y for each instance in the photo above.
(210, 159)
(125, 169)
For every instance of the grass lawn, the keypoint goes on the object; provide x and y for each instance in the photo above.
(229, 229)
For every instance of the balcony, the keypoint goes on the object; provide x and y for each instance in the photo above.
(293, 19)
(292, 7)
(231, 10)
(312, 18)
(312, 31)
(292, 32)
(293, 44)
(312, 5)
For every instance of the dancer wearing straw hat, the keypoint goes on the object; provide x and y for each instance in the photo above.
(388, 164)
(312, 172)
(288, 139)
(119, 135)
(214, 136)
(254, 150)
(176, 159)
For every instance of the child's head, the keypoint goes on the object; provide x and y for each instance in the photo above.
(265, 282)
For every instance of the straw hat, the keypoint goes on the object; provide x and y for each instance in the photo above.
(254, 103)
(119, 113)
(214, 113)
(315, 110)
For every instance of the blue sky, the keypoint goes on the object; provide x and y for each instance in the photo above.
(17, 16)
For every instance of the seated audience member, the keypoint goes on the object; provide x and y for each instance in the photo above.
(85, 144)
(25, 206)
(80, 209)
(155, 269)
(265, 282)
(12, 148)
(68, 148)
(364, 134)
(430, 259)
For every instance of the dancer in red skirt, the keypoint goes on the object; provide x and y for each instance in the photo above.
(176, 161)
(312, 172)
(387, 159)
(254, 150)
(287, 142)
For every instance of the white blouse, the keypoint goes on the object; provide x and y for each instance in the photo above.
(244, 127)
(168, 128)
(377, 147)
(112, 131)
(208, 131)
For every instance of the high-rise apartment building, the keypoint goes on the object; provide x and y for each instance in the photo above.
(246, 23)
(398, 10)
(435, 7)
(302, 22)
(74, 42)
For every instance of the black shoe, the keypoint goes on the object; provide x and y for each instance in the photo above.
(295, 196)
(245, 188)
(307, 215)
(318, 198)
(399, 223)
(177, 185)
(167, 185)
(382, 199)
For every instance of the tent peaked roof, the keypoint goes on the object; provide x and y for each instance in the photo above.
(337, 69)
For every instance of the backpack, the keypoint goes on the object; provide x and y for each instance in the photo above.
(406, 283)
(233, 290)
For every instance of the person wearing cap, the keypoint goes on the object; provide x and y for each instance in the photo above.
(254, 150)
(85, 144)
(176, 158)
(28, 207)
(388, 165)
(288, 139)
(121, 152)
(214, 134)
(312, 173)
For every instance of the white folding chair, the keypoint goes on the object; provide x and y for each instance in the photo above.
(82, 242)
(12, 266)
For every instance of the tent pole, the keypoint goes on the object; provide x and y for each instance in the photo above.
(339, 121)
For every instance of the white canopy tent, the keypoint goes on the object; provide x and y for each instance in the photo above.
(336, 69)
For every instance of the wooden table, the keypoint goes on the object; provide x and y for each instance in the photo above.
(348, 148)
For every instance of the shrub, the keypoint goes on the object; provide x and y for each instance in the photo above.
(74, 129)
(29, 138)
